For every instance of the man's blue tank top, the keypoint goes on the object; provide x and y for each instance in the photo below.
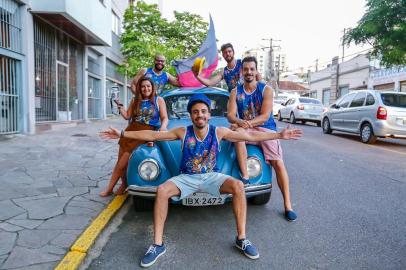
(148, 113)
(159, 80)
(249, 104)
(233, 76)
(199, 156)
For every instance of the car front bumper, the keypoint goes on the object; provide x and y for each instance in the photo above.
(149, 192)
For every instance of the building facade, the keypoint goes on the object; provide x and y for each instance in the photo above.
(58, 61)
(336, 80)
(388, 79)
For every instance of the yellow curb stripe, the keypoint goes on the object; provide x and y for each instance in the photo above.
(71, 261)
(74, 258)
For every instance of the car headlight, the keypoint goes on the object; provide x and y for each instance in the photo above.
(148, 169)
(254, 167)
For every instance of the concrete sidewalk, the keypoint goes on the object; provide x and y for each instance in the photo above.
(49, 191)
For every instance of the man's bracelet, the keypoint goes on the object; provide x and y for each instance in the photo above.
(122, 133)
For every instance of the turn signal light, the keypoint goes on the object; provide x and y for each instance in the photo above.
(381, 113)
(300, 107)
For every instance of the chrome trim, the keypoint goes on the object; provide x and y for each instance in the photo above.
(259, 162)
(150, 191)
(154, 162)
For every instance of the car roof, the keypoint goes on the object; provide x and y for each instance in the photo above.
(195, 90)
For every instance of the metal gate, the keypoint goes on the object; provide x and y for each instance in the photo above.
(9, 103)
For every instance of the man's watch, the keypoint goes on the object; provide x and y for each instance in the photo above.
(122, 133)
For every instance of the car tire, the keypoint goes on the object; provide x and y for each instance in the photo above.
(260, 199)
(142, 205)
(367, 134)
(326, 126)
(292, 118)
(279, 116)
(318, 123)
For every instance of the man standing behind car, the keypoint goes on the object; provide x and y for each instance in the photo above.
(250, 108)
(200, 142)
(231, 73)
(158, 76)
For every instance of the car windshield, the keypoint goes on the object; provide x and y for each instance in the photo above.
(278, 101)
(394, 100)
(309, 101)
(177, 105)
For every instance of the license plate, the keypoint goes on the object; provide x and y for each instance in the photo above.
(401, 121)
(203, 199)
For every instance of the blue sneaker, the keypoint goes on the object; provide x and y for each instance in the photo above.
(249, 250)
(290, 215)
(153, 253)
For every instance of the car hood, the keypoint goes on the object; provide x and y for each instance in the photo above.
(171, 150)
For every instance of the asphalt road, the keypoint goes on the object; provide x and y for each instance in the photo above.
(350, 199)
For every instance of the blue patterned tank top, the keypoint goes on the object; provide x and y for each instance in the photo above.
(233, 76)
(199, 156)
(159, 80)
(249, 104)
(148, 113)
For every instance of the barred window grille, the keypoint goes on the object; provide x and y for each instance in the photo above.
(9, 95)
(10, 26)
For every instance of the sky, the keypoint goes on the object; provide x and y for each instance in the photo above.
(308, 29)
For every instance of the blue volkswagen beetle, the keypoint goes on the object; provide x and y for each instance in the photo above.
(152, 164)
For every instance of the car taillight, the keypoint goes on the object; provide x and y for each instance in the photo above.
(300, 107)
(381, 113)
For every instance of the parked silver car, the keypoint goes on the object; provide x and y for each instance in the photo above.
(301, 109)
(369, 113)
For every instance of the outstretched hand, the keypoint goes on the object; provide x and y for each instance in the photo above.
(291, 134)
(111, 133)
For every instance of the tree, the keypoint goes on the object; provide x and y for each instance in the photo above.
(147, 33)
(384, 27)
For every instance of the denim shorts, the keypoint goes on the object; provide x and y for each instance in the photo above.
(202, 182)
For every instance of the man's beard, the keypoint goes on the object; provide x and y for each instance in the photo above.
(248, 80)
(199, 126)
(159, 69)
(231, 59)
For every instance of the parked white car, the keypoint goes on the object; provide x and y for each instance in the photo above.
(301, 109)
(369, 113)
(277, 105)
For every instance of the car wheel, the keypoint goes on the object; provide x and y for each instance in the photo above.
(326, 126)
(292, 118)
(260, 199)
(367, 134)
(142, 205)
(318, 123)
(279, 116)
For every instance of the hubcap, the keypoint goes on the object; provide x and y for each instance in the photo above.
(366, 133)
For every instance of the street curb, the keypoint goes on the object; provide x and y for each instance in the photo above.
(79, 249)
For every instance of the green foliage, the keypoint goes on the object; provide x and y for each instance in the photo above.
(147, 33)
(384, 27)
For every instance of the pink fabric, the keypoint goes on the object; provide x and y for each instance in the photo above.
(272, 149)
(188, 79)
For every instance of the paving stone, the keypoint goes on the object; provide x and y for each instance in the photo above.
(74, 191)
(22, 216)
(95, 173)
(66, 222)
(65, 240)
(62, 183)
(72, 210)
(85, 182)
(2, 259)
(8, 209)
(16, 178)
(36, 238)
(44, 208)
(96, 206)
(26, 223)
(37, 197)
(54, 250)
(21, 256)
(7, 242)
(10, 227)
(41, 266)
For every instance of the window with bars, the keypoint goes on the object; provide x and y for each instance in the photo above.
(10, 26)
(9, 95)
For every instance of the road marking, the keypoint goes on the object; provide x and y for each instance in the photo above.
(79, 249)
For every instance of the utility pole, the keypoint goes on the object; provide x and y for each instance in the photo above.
(271, 58)
(278, 68)
(342, 59)
(317, 65)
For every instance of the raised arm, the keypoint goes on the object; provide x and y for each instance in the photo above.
(163, 114)
(144, 135)
(140, 73)
(257, 136)
(173, 80)
(211, 81)
(126, 114)
(266, 108)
